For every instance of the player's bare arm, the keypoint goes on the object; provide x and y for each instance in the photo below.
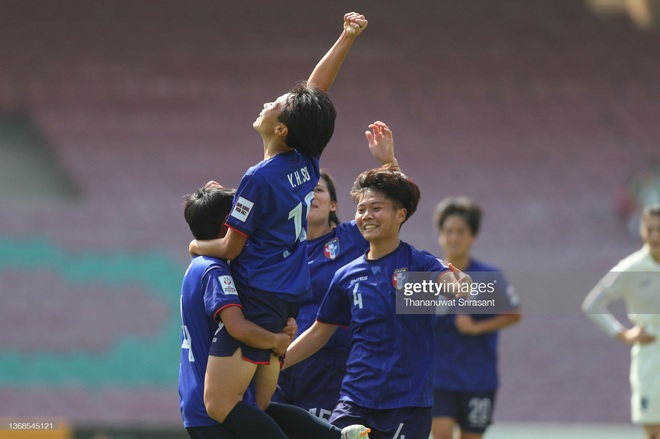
(325, 72)
(308, 343)
(226, 248)
(252, 334)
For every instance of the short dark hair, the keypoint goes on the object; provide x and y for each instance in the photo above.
(653, 209)
(394, 185)
(206, 209)
(464, 207)
(333, 218)
(309, 115)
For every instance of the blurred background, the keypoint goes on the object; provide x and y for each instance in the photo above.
(543, 111)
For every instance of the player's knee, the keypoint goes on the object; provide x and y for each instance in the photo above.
(218, 406)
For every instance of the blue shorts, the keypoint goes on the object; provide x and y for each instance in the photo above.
(314, 383)
(262, 308)
(265, 308)
(408, 422)
(224, 345)
(473, 411)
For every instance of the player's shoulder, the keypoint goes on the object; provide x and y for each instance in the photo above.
(352, 267)
(207, 263)
(633, 261)
(350, 229)
(420, 260)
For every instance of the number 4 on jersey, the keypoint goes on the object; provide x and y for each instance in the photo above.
(357, 296)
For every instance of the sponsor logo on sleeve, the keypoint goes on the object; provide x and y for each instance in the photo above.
(242, 209)
(227, 284)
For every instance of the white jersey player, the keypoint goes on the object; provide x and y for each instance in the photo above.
(636, 281)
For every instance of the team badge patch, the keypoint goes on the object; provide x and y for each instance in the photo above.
(227, 284)
(242, 209)
(331, 249)
(399, 277)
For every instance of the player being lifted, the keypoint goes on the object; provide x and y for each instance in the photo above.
(266, 240)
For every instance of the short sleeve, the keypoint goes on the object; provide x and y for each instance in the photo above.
(335, 308)
(219, 292)
(506, 293)
(249, 205)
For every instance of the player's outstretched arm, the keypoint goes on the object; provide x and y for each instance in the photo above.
(325, 72)
(308, 343)
(381, 145)
(252, 334)
(226, 248)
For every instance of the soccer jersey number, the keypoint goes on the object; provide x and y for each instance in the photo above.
(186, 343)
(297, 215)
(480, 409)
(357, 297)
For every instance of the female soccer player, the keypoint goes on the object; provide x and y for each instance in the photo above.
(388, 377)
(636, 280)
(266, 239)
(314, 383)
(465, 377)
(208, 296)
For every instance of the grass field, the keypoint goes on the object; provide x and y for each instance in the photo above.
(564, 431)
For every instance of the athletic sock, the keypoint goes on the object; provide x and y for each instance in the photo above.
(298, 423)
(249, 422)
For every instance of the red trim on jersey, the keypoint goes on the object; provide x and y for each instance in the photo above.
(216, 315)
(335, 324)
(236, 230)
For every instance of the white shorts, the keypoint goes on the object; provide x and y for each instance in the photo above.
(645, 383)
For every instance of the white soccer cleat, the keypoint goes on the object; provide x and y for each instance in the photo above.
(355, 432)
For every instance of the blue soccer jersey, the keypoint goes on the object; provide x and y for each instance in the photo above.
(270, 209)
(391, 356)
(207, 289)
(468, 363)
(314, 383)
(327, 254)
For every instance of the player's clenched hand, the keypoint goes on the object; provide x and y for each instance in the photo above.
(283, 342)
(286, 336)
(291, 328)
(354, 23)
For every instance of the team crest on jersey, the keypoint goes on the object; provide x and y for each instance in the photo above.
(331, 249)
(227, 284)
(399, 277)
(242, 209)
